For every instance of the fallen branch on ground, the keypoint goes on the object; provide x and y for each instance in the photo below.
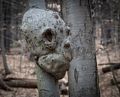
(21, 82)
(28, 83)
(115, 66)
(4, 86)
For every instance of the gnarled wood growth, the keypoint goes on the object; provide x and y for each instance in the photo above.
(48, 39)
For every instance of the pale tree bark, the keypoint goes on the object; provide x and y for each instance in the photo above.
(37, 3)
(83, 81)
(47, 85)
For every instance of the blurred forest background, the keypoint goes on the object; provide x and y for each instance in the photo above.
(17, 75)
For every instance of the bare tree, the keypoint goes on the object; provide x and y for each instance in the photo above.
(83, 81)
(7, 71)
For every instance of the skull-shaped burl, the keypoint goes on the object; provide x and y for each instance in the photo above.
(48, 38)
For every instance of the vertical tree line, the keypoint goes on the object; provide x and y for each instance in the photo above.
(83, 79)
(2, 30)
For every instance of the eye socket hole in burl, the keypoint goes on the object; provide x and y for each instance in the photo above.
(48, 35)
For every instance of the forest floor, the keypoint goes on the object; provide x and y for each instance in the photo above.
(111, 54)
(21, 67)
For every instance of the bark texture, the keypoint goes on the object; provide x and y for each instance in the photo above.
(47, 85)
(37, 3)
(83, 80)
(48, 39)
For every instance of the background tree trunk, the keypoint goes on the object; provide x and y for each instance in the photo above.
(37, 3)
(83, 81)
(7, 71)
(6, 68)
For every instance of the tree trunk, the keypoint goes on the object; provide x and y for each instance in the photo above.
(37, 3)
(7, 71)
(47, 84)
(83, 81)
